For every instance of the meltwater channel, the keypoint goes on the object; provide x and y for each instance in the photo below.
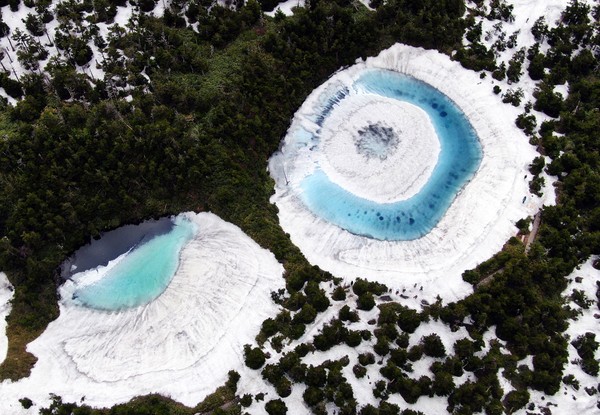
(137, 276)
(460, 156)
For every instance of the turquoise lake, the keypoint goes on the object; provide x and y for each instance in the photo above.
(141, 274)
(459, 158)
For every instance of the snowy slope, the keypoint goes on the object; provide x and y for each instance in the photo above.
(6, 293)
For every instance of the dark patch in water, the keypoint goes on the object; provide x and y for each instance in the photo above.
(112, 244)
(376, 141)
(340, 95)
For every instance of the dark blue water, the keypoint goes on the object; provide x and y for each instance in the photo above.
(459, 158)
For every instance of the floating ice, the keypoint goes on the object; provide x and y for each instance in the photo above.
(475, 225)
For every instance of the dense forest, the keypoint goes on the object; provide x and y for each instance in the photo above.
(191, 106)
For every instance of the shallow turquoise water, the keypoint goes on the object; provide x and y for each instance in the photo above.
(459, 158)
(142, 274)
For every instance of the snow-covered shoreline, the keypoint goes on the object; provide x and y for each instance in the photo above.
(195, 330)
(476, 225)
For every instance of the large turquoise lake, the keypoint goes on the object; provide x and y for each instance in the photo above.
(459, 158)
(138, 275)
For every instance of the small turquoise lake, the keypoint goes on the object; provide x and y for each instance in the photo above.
(459, 159)
(138, 275)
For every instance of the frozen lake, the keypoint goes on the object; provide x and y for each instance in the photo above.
(459, 157)
(129, 266)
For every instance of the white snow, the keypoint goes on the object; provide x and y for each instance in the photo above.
(6, 293)
(398, 176)
(286, 7)
(180, 345)
(476, 225)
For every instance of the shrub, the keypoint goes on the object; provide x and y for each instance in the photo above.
(387, 330)
(579, 298)
(402, 340)
(296, 331)
(527, 123)
(366, 358)
(536, 184)
(232, 380)
(433, 346)
(316, 376)
(272, 373)
(443, 384)
(586, 346)
(316, 296)
(513, 97)
(26, 403)
(246, 400)
(516, 400)
(408, 320)
(276, 407)
(415, 353)
(548, 101)
(346, 314)
(306, 315)
(339, 294)
(331, 335)
(359, 371)
(283, 387)
(382, 347)
(254, 357)
(536, 67)
(269, 327)
(360, 286)
(537, 165)
(369, 410)
(353, 338)
(312, 395)
(571, 381)
(366, 301)
(303, 349)
(514, 71)
(500, 73)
